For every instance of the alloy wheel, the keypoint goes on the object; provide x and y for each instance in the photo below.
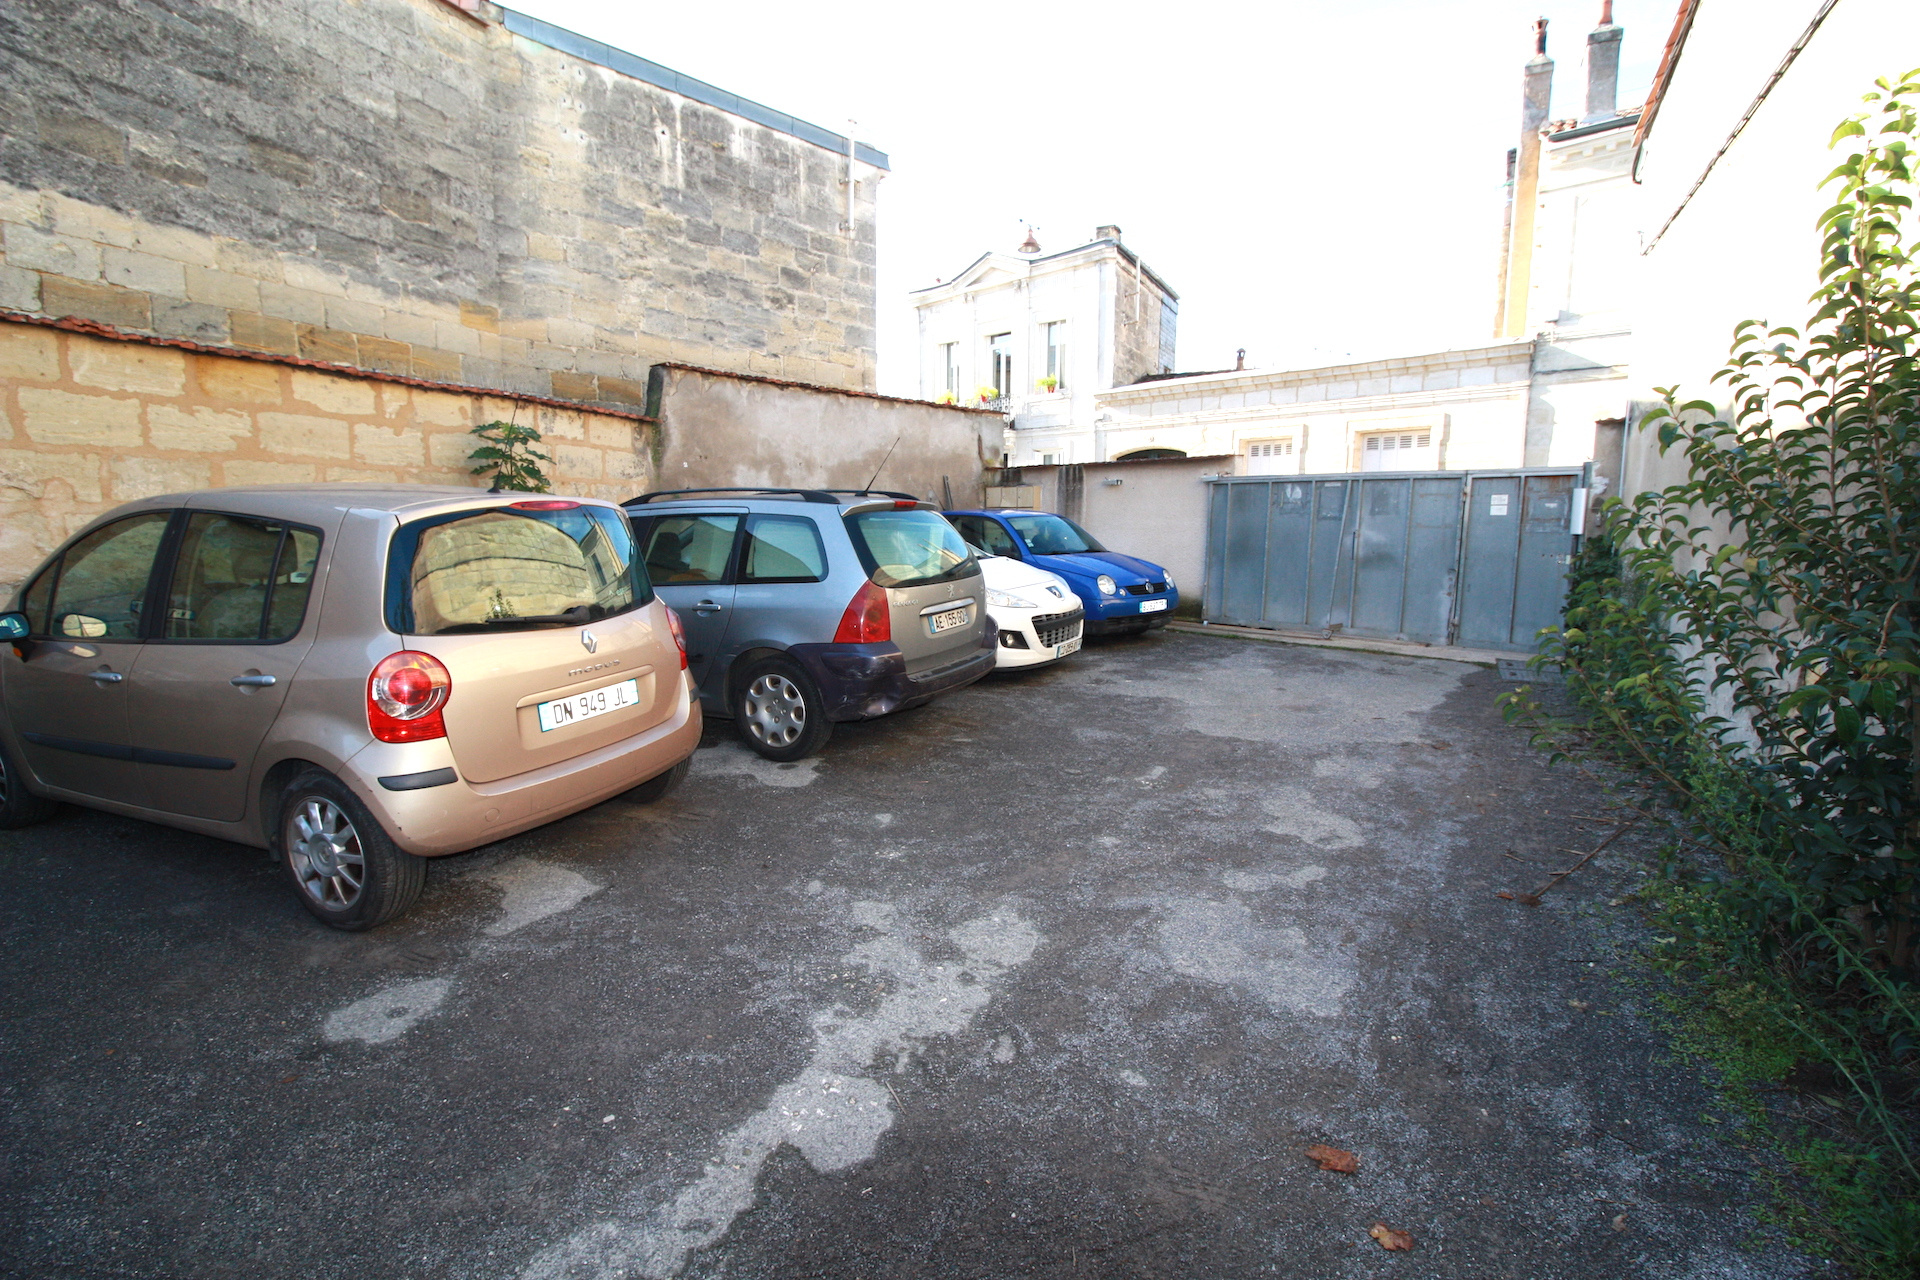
(6, 783)
(776, 710)
(325, 852)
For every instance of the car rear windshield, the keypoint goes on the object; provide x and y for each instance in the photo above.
(509, 568)
(1051, 535)
(909, 548)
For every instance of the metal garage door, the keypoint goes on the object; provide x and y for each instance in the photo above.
(1473, 558)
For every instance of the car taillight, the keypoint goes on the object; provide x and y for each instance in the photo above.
(679, 633)
(405, 695)
(867, 620)
(543, 504)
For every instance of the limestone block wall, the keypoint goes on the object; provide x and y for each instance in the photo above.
(87, 423)
(396, 185)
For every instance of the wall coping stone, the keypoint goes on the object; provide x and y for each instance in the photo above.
(94, 328)
(653, 395)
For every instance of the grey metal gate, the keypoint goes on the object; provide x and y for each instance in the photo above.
(1463, 557)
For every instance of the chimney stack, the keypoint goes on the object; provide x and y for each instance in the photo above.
(1107, 233)
(1240, 360)
(1510, 317)
(1603, 67)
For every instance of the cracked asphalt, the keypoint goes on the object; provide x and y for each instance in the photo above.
(1059, 976)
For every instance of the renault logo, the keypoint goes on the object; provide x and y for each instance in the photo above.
(586, 638)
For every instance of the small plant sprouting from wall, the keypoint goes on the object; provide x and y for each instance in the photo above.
(508, 452)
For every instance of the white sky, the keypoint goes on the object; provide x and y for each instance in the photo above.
(1314, 179)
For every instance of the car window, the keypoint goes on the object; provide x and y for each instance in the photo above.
(909, 548)
(239, 578)
(990, 535)
(690, 548)
(102, 580)
(1051, 535)
(34, 600)
(545, 562)
(292, 584)
(782, 549)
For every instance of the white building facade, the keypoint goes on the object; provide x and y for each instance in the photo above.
(1038, 335)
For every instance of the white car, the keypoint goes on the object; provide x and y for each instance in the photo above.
(1038, 614)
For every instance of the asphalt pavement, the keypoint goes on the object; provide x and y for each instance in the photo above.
(1060, 976)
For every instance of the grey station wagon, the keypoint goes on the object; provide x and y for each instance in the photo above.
(806, 607)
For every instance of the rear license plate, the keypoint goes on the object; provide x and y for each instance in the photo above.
(562, 712)
(938, 622)
(1152, 606)
(1071, 646)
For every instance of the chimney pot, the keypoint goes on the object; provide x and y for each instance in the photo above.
(1240, 359)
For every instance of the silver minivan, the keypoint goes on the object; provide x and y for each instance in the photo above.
(356, 677)
(808, 607)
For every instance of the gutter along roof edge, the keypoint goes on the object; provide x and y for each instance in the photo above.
(95, 329)
(649, 72)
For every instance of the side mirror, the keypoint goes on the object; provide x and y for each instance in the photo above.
(81, 627)
(14, 626)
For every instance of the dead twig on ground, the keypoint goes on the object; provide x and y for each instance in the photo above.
(1533, 899)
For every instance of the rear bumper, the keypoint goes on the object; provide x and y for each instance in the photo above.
(430, 818)
(861, 681)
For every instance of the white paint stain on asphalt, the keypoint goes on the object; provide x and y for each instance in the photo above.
(1302, 819)
(1255, 881)
(387, 1014)
(1219, 942)
(732, 759)
(833, 1112)
(532, 891)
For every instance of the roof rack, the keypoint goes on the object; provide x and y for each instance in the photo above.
(805, 495)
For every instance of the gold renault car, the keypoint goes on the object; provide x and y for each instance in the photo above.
(354, 677)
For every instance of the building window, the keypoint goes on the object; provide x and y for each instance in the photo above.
(950, 368)
(1397, 451)
(1270, 457)
(1056, 356)
(1049, 459)
(1000, 357)
(1169, 321)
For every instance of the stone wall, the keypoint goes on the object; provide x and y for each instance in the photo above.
(729, 430)
(395, 185)
(87, 423)
(1137, 300)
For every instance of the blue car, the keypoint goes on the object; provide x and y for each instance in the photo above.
(1122, 594)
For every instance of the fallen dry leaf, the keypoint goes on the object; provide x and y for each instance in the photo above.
(1504, 894)
(1620, 1222)
(1389, 1238)
(1580, 1006)
(1333, 1159)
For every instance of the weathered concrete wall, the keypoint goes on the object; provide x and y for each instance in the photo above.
(394, 185)
(727, 430)
(87, 423)
(1157, 511)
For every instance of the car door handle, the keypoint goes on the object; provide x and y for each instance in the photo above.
(106, 677)
(258, 682)
(708, 606)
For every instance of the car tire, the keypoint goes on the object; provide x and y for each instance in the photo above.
(779, 711)
(660, 786)
(19, 807)
(345, 869)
